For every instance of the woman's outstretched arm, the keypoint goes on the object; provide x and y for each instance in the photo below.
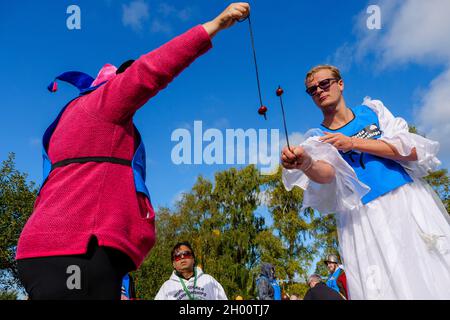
(122, 96)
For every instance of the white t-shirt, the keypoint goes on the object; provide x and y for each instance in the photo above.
(207, 288)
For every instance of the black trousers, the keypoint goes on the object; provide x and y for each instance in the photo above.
(96, 275)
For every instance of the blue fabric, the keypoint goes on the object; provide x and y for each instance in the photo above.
(268, 272)
(332, 280)
(126, 286)
(139, 167)
(138, 163)
(380, 174)
(263, 293)
(79, 79)
(276, 290)
(90, 89)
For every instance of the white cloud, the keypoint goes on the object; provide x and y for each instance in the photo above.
(413, 31)
(167, 15)
(161, 27)
(343, 57)
(419, 33)
(295, 139)
(221, 123)
(433, 114)
(178, 197)
(435, 104)
(369, 40)
(166, 9)
(135, 14)
(185, 14)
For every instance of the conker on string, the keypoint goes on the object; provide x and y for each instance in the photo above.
(262, 110)
(279, 91)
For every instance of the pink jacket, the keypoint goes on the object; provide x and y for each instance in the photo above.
(99, 199)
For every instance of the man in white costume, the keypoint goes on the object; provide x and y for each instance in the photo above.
(365, 166)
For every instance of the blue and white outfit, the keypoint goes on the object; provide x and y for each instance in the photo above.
(393, 230)
(333, 278)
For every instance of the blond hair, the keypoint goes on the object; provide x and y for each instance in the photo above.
(335, 71)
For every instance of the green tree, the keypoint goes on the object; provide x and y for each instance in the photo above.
(231, 240)
(440, 182)
(220, 223)
(326, 241)
(8, 295)
(292, 226)
(236, 195)
(17, 197)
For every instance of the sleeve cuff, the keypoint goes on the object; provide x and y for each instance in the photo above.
(343, 193)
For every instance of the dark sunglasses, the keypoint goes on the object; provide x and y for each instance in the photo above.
(182, 254)
(324, 85)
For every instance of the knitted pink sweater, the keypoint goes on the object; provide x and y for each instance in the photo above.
(99, 199)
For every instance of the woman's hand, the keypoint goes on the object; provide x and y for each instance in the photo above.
(338, 140)
(227, 18)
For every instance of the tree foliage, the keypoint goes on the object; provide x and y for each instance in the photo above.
(224, 221)
(440, 182)
(17, 197)
(220, 223)
(230, 237)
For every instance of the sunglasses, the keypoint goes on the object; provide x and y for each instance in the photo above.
(324, 85)
(182, 255)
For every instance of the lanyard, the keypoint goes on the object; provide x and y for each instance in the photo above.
(185, 289)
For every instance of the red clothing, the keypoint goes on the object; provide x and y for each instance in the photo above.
(79, 201)
(342, 284)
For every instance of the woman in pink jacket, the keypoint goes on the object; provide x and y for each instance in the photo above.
(93, 220)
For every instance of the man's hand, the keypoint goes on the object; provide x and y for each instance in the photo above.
(317, 170)
(227, 18)
(296, 158)
(338, 140)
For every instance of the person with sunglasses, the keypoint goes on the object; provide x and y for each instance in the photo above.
(189, 282)
(364, 165)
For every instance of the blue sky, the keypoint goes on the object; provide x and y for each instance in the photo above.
(219, 88)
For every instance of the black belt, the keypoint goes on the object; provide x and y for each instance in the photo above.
(65, 162)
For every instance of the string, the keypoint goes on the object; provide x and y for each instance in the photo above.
(254, 58)
(284, 120)
(252, 38)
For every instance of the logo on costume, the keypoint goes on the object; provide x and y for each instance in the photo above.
(199, 293)
(370, 132)
(373, 282)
